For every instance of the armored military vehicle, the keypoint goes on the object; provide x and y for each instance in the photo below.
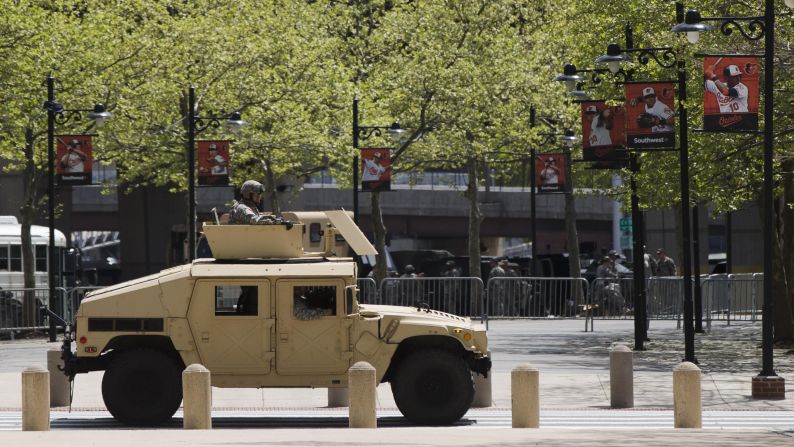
(264, 313)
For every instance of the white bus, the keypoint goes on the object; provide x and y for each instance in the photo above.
(11, 276)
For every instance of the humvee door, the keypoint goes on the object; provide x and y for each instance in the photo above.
(231, 322)
(312, 327)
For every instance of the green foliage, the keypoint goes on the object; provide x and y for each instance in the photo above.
(469, 71)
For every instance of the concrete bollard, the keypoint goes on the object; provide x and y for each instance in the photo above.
(197, 398)
(35, 399)
(621, 377)
(525, 396)
(60, 386)
(361, 383)
(686, 396)
(338, 397)
(483, 394)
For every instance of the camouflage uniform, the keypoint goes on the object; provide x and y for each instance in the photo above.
(245, 212)
(303, 311)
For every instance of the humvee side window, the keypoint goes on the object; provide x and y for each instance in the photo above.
(315, 233)
(236, 300)
(313, 302)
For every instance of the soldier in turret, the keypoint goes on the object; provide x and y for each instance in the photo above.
(246, 211)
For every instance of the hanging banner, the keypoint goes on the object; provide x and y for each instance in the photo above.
(550, 172)
(730, 98)
(375, 169)
(602, 125)
(73, 160)
(213, 163)
(604, 153)
(650, 121)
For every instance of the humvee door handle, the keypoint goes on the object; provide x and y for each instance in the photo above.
(205, 337)
(283, 336)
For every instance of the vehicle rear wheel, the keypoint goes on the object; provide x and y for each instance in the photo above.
(142, 387)
(433, 387)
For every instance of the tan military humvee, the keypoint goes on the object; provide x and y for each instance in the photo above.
(263, 313)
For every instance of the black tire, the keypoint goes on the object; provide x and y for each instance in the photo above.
(142, 387)
(433, 387)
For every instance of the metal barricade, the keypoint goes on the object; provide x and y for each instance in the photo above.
(367, 291)
(612, 298)
(529, 297)
(460, 296)
(665, 297)
(14, 301)
(732, 297)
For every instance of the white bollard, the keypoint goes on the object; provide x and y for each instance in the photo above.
(686, 396)
(621, 377)
(525, 397)
(483, 394)
(60, 386)
(361, 383)
(197, 398)
(35, 399)
(338, 397)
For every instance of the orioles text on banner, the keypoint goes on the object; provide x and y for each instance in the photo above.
(730, 97)
(375, 169)
(550, 173)
(213, 162)
(73, 159)
(650, 121)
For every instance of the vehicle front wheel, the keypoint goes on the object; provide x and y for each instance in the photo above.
(433, 387)
(142, 387)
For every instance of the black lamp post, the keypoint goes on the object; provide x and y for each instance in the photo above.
(195, 125)
(57, 114)
(665, 57)
(394, 130)
(757, 27)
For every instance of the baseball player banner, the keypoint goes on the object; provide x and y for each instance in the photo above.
(73, 160)
(730, 98)
(650, 120)
(550, 172)
(213, 163)
(375, 169)
(602, 125)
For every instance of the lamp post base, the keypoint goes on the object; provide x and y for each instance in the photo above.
(769, 387)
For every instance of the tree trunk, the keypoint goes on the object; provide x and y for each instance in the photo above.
(475, 219)
(783, 258)
(272, 194)
(570, 225)
(28, 215)
(379, 230)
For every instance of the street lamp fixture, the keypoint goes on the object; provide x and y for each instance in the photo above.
(195, 125)
(570, 77)
(99, 115)
(569, 138)
(397, 133)
(692, 26)
(58, 114)
(614, 58)
(235, 122)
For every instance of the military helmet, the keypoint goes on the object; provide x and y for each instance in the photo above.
(251, 187)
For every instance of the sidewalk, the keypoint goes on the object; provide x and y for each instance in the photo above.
(573, 364)
(574, 382)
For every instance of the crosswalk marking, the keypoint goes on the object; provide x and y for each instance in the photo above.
(772, 420)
